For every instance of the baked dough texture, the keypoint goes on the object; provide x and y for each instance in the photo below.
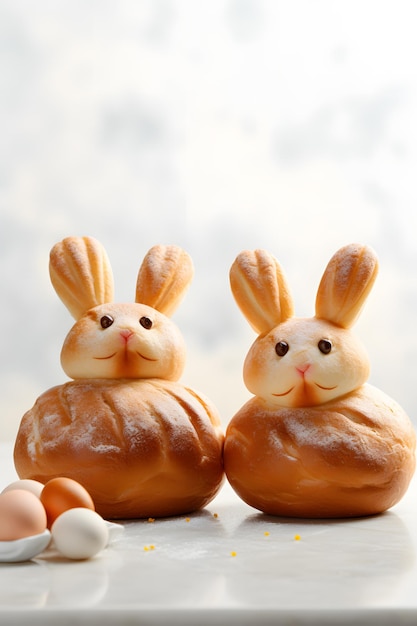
(141, 448)
(349, 457)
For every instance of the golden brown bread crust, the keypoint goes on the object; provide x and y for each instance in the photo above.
(80, 272)
(163, 277)
(349, 457)
(260, 289)
(345, 284)
(142, 448)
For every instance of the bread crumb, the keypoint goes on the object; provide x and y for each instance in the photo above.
(216, 515)
(151, 519)
(187, 519)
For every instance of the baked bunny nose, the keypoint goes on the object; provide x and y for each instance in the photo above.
(303, 368)
(126, 334)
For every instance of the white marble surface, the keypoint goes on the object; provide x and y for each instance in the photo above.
(339, 572)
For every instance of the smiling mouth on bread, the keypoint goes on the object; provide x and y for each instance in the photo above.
(325, 388)
(104, 358)
(279, 395)
(147, 358)
(110, 356)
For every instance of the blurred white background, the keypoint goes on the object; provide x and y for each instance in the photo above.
(216, 125)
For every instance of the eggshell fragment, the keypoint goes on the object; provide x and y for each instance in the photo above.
(21, 515)
(27, 484)
(79, 533)
(61, 494)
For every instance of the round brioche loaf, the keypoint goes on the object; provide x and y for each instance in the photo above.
(141, 448)
(349, 457)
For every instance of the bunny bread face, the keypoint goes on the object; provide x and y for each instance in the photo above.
(299, 361)
(123, 341)
(305, 362)
(112, 340)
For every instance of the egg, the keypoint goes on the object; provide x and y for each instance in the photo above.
(27, 484)
(79, 533)
(21, 515)
(61, 494)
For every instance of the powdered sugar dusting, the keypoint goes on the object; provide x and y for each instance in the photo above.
(106, 417)
(363, 425)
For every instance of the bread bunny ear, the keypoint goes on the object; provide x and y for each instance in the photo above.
(260, 289)
(81, 274)
(163, 278)
(346, 283)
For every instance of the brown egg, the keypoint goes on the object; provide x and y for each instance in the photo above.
(61, 494)
(21, 515)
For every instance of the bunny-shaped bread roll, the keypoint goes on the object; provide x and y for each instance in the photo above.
(142, 444)
(113, 340)
(315, 440)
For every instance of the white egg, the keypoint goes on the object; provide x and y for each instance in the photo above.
(80, 533)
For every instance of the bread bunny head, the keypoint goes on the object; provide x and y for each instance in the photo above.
(298, 362)
(113, 340)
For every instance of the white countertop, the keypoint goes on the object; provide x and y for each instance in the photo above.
(227, 563)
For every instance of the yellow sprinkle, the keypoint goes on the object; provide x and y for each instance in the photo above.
(297, 537)
(151, 519)
(151, 547)
(187, 519)
(266, 533)
(146, 548)
(233, 553)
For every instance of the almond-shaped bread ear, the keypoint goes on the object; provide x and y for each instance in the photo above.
(81, 274)
(260, 289)
(346, 283)
(163, 278)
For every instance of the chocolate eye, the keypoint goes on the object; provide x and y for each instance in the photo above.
(325, 345)
(145, 322)
(282, 348)
(106, 321)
